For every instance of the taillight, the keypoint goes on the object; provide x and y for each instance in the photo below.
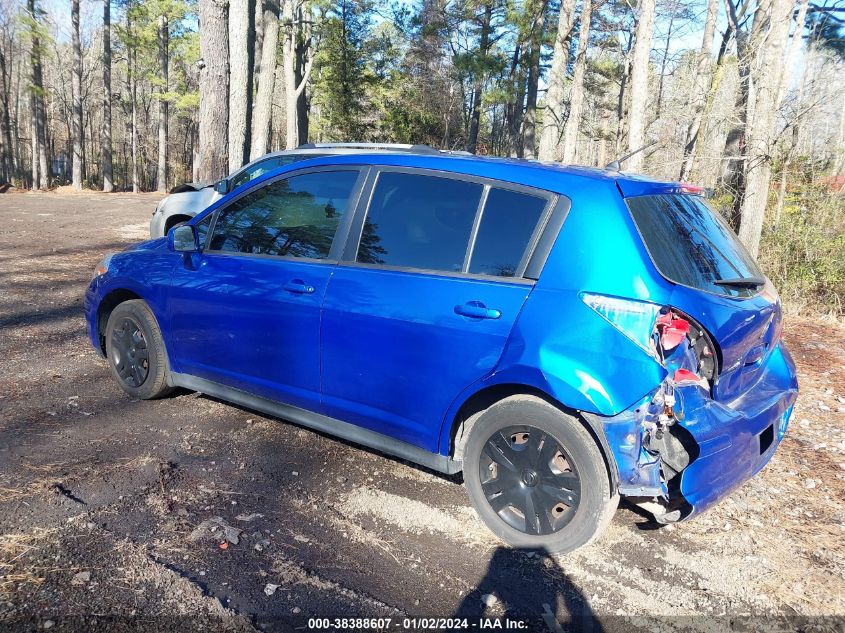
(635, 319)
(693, 190)
(677, 341)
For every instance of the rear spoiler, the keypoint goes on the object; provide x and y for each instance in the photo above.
(641, 186)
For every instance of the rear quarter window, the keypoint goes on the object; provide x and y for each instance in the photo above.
(690, 244)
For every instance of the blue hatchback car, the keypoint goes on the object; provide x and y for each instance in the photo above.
(561, 335)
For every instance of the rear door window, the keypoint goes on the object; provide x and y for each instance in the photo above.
(507, 224)
(690, 244)
(419, 221)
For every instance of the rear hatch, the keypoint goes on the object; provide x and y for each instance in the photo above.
(718, 283)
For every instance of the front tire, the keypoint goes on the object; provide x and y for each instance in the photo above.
(536, 476)
(135, 351)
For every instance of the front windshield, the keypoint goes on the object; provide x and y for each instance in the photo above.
(251, 172)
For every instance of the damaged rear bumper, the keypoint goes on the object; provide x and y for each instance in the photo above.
(712, 448)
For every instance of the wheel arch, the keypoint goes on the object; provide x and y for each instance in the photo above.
(107, 305)
(173, 220)
(482, 399)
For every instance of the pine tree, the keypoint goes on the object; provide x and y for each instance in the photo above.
(343, 71)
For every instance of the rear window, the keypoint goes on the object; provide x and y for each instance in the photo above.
(690, 244)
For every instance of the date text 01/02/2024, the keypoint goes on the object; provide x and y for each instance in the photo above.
(416, 624)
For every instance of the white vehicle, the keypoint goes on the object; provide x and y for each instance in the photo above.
(186, 200)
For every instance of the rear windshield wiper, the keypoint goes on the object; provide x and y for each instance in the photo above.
(742, 282)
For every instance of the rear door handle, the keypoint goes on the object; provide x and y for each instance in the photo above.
(297, 286)
(477, 310)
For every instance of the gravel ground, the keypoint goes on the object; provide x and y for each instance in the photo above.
(191, 513)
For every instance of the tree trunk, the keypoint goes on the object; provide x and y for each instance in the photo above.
(761, 128)
(701, 87)
(213, 89)
(16, 121)
(733, 176)
(289, 74)
(76, 89)
(622, 98)
(131, 60)
(40, 176)
(538, 29)
(478, 80)
(553, 114)
(839, 163)
(513, 115)
(784, 174)
(576, 101)
(294, 82)
(33, 133)
(794, 45)
(302, 72)
(105, 134)
(639, 84)
(241, 50)
(258, 40)
(601, 158)
(5, 122)
(664, 61)
(263, 109)
(163, 52)
(529, 121)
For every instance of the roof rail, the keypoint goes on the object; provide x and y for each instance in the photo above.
(393, 147)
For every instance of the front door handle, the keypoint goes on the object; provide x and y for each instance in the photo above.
(297, 286)
(477, 310)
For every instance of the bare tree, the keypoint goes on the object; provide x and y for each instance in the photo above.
(555, 95)
(241, 60)
(839, 163)
(38, 110)
(486, 32)
(538, 29)
(775, 17)
(105, 134)
(639, 83)
(701, 87)
(747, 42)
(794, 45)
(293, 87)
(8, 155)
(76, 87)
(213, 89)
(163, 46)
(263, 106)
(576, 101)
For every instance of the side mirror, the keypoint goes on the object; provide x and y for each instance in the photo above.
(222, 186)
(182, 239)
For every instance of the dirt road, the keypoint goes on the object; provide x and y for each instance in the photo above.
(191, 512)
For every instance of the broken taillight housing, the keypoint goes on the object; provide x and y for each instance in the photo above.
(674, 339)
(635, 319)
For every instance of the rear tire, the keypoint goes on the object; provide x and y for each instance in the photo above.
(525, 458)
(135, 351)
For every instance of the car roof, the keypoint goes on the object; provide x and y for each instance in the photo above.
(331, 149)
(554, 177)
